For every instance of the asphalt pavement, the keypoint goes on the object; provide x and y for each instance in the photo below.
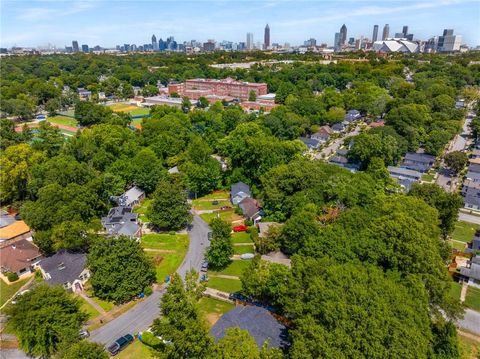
(471, 218)
(141, 316)
(336, 144)
(470, 321)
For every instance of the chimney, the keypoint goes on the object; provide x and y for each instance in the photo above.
(14, 246)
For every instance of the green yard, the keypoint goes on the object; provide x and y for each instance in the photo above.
(241, 237)
(428, 177)
(218, 195)
(229, 216)
(167, 252)
(457, 245)
(243, 249)
(212, 309)
(464, 231)
(469, 348)
(88, 309)
(63, 120)
(455, 290)
(7, 291)
(141, 111)
(106, 306)
(472, 299)
(135, 350)
(142, 210)
(235, 268)
(225, 285)
(206, 204)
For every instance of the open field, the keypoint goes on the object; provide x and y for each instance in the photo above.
(62, 120)
(229, 216)
(472, 299)
(212, 309)
(7, 291)
(464, 231)
(122, 107)
(206, 204)
(167, 252)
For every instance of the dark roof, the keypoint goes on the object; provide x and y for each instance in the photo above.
(339, 160)
(474, 168)
(63, 266)
(474, 176)
(121, 220)
(240, 187)
(419, 157)
(475, 245)
(249, 207)
(472, 272)
(342, 151)
(338, 127)
(6, 219)
(310, 142)
(472, 200)
(259, 322)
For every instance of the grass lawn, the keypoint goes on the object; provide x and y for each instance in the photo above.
(228, 216)
(225, 285)
(469, 348)
(212, 309)
(135, 350)
(166, 263)
(206, 204)
(472, 299)
(219, 195)
(7, 291)
(107, 306)
(241, 237)
(235, 268)
(455, 290)
(139, 112)
(142, 210)
(63, 120)
(243, 249)
(464, 231)
(87, 308)
(457, 245)
(428, 177)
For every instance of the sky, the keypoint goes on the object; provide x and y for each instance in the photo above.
(108, 23)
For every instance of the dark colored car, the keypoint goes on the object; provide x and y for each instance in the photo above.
(120, 344)
(215, 202)
(210, 235)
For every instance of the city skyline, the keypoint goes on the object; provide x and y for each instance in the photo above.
(29, 23)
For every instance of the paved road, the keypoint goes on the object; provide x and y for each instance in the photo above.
(336, 144)
(13, 354)
(468, 218)
(141, 316)
(470, 321)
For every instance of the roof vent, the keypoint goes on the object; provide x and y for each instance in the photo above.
(61, 266)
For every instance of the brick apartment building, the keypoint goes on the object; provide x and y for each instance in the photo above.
(196, 88)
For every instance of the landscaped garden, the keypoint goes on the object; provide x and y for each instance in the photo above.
(167, 252)
(142, 210)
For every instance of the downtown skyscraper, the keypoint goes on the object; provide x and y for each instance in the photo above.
(386, 32)
(375, 33)
(343, 35)
(249, 41)
(266, 38)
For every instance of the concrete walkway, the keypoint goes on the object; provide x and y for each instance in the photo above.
(217, 294)
(463, 293)
(224, 276)
(92, 303)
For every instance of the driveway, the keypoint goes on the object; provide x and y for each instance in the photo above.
(470, 321)
(141, 316)
(471, 218)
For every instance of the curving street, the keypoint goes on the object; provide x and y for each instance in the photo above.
(141, 316)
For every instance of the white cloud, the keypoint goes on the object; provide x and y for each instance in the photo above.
(47, 13)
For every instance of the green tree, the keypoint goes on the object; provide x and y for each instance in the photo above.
(44, 318)
(119, 268)
(456, 160)
(221, 245)
(367, 146)
(298, 229)
(48, 139)
(202, 102)
(252, 96)
(445, 340)
(236, 344)
(150, 90)
(82, 349)
(186, 105)
(169, 208)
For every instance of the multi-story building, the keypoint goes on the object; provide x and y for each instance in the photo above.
(343, 35)
(85, 48)
(310, 42)
(375, 33)
(154, 43)
(209, 46)
(75, 46)
(249, 41)
(386, 32)
(266, 38)
(449, 42)
(336, 42)
(196, 88)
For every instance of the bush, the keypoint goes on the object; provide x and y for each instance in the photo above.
(172, 233)
(12, 277)
(148, 291)
(149, 339)
(248, 222)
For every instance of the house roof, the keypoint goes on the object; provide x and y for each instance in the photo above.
(472, 272)
(399, 171)
(13, 230)
(121, 221)
(239, 187)
(249, 207)
(18, 255)
(6, 219)
(469, 184)
(338, 127)
(474, 168)
(310, 142)
(326, 129)
(259, 322)
(132, 195)
(474, 176)
(128, 229)
(63, 266)
(472, 200)
(419, 157)
(339, 159)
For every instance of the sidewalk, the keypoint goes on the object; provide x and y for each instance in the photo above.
(92, 303)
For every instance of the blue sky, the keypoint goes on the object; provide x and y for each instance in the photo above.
(107, 23)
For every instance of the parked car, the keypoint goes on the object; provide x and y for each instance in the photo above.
(204, 267)
(210, 235)
(120, 344)
(204, 278)
(240, 228)
(83, 333)
(215, 202)
(225, 208)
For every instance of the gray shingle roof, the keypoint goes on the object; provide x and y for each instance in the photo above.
(310, 142)
(132, 195)
(240, 187)
(472, 200)
(121, 221)
(258, 321)
(474, 168)
(472, 272)
(63, 266)
(6, 219)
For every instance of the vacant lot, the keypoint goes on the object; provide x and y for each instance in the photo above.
(122, 107)
(208, 204)
(229, 216)
(167, 252)
(464, 231)
(212, 309)
(7, 291)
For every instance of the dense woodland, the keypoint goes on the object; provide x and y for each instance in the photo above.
(369, 282)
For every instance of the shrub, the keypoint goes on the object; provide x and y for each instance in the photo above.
(148, 291)
(172, 233)
(12, 276)
(149, 339)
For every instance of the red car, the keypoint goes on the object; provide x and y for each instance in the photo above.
(240, 228)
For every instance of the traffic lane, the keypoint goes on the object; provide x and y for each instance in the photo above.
(468, 218)
(470, 321)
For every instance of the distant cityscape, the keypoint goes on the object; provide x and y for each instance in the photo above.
(404, 42)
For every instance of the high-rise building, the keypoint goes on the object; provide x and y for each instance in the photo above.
(386, 31)
(209, 46)
(375, 33)
(310, 42)
(449, 42)
(343, 35)
(405, 30)
(85, 48)
(336, 42)
(75, 46)
(266, 38)
(249, 41)
(154, 43)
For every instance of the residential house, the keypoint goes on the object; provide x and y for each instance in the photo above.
(339, 127)
(323, 134)
(67, 269)
(258, 321)
(19, 257)
(471, 194)
(475, 153)
(132, 197)
(6, 219)
(473, 176)
(418, 161)
(460, 103)
(404, 176)
(474, 245)
(352, 115)
(342, 161)
(238, 192)
(471, 273)
(13, 231)
(121, 221)
(251, 209)
(311, 143)
(84, 94)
